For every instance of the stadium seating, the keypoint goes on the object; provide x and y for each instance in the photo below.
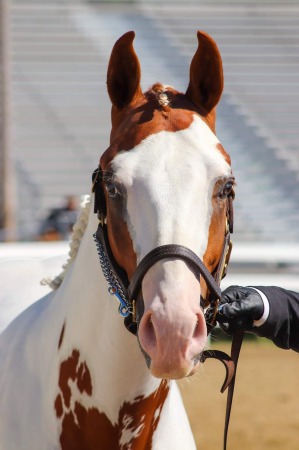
(61, 111)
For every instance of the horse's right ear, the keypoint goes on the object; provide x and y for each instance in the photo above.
(123, 76)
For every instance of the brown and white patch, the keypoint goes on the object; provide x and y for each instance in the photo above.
(87, 428)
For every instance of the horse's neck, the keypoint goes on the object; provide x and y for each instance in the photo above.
(94, 328)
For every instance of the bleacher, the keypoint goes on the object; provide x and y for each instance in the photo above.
(61, 111)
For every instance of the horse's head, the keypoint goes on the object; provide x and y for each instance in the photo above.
(166, 179)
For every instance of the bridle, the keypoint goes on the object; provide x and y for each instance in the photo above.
(127, 291)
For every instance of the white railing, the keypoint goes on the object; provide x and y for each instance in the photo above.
(23, 265)
(36, 250)
(251, 264)
(259, 264)
(266, 253)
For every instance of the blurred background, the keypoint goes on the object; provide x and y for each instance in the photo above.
(55, 112)
(55, 123)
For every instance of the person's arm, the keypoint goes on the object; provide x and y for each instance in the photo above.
(270, 312)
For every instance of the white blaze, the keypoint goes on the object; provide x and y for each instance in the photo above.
(169, 179)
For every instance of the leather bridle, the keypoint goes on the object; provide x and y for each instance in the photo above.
(127, 291)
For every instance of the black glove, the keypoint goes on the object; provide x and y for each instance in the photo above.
(239, 307)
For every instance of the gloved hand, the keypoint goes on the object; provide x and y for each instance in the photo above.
(239, 307)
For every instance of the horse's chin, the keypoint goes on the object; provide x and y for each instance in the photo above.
(174, 373)
(178, 374)
(196, 364)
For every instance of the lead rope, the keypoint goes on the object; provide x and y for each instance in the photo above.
(231, 362)
(235, 353)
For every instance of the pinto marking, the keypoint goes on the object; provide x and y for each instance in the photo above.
(72, 377)
(87, 428)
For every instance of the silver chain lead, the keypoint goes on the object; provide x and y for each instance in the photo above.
(114, 285)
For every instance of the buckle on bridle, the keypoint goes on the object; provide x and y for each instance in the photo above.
(101, 218)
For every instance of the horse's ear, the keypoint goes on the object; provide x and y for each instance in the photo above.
(206, 74)
(123, 76)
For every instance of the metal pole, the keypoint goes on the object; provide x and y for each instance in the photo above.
(7, 190)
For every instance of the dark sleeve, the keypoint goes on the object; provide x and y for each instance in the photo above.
(282, 325)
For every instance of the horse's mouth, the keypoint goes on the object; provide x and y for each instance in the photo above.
(196, 362)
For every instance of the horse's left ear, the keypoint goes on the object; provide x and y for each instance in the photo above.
(123, 76)
(206, 74)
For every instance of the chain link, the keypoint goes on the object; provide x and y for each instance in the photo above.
(114, 285)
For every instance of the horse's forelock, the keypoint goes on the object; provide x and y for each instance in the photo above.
(161, 93)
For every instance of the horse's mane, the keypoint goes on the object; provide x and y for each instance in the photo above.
(78, 231)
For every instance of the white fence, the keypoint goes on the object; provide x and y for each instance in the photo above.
(39, 250)
(251, 264)
(24, 265)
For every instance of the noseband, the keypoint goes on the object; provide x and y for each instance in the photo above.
(127, 291)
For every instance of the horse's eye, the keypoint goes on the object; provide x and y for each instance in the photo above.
(226, 190)
(111, 189)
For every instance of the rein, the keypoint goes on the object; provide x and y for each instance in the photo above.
(127, 291)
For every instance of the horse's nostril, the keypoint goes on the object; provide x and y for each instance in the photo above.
(149, 323)
(147, 332)
(197, 328)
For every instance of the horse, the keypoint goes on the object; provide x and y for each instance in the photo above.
(72, 375)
